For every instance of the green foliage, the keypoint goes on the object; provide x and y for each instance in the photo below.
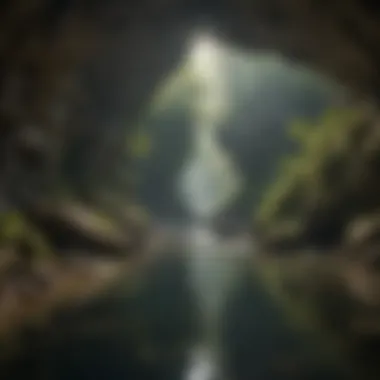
(329, 134)
(15, 228)
(179, 90)
(314, 175)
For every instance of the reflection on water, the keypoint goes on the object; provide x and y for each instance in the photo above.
(151, 336)
(201, 365)
(246, 335)
(214, 266)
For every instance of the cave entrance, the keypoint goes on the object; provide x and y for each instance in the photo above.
(213, 139)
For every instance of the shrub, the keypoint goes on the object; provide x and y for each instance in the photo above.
(315, 185)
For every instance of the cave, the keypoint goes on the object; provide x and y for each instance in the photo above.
(78, 74)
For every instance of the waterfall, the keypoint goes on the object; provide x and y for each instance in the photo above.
(209, 181)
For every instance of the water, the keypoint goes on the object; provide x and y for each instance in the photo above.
(214, 265)
(245, 332)
(201, 365)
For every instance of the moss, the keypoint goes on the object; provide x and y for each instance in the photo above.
(317, 186)
(16, 229)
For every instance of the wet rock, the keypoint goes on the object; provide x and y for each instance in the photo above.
(72, 226)
(363, 230)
